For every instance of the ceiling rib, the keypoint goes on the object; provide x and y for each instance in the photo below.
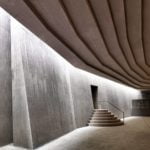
(80, 37)
(146, 29)
(142, 78)
(147, 75)
(142, 37)
(134, 31)
(120, 43)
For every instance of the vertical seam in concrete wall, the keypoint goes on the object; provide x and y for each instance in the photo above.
(71, 98)
(27, 106)
(11, 75)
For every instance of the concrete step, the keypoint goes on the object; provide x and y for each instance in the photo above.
(106, 124)
(100, 110)
(103, 118)
(103, 115)
(104, 121)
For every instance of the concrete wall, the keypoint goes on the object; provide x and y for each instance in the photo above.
(117, 94)
(50, 96)
(5, 80)
(141, 107)
(42, 85)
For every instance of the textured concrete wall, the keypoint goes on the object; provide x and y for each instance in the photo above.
(141, 107)
(117, 94)
(82, 100)
(21, 119)
(5, 80)
(50, 96)
(40, 84)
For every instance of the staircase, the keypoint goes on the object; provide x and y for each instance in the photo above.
(103, 117)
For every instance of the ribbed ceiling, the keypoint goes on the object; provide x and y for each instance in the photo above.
(108, 37)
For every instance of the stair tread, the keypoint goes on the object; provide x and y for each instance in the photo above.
(100, 109)
(96, 112)
(106, 124)
(103, 114)
(103, 117)
(103, 121)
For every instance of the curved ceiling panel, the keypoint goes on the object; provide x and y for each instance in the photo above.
(134, 25)
(89, 32)
(146, 29)
(118, 15)
(109, 32)
(54, 9)
(54, 16)
(92, 35)
(109, 38)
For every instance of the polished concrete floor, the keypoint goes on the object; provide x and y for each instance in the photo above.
(134, 135)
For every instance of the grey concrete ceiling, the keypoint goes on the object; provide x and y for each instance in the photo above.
(110, 38)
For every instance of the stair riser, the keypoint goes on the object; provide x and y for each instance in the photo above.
(102, 115)
(105, 125)
(101, 111)
(103, 118)
(104, 121)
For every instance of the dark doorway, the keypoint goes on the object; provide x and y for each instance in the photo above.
(94, 91)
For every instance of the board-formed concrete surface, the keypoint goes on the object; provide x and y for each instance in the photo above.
(134, 135)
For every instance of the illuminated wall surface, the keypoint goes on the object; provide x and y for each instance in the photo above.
(5, 80)
(49, 97)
